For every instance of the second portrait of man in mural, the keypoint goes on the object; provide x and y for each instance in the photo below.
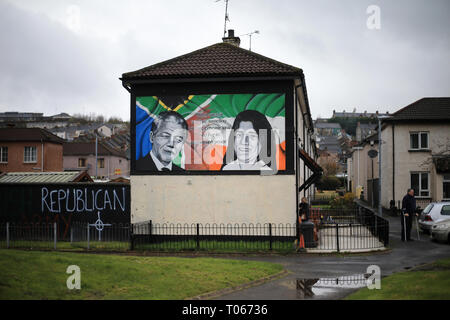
(251, 143)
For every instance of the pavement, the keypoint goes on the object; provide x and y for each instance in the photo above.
(400, 257)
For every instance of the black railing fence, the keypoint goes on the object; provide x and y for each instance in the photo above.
(169, 236)
(334, 231)
(349, 229)
(54, 236)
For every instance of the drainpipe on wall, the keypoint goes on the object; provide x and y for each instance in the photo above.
(380, 146)
(297, 174)
(304, 148)
(42, 155)
(96, 154)
(393, 162)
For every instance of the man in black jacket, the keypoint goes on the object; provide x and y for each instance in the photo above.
(304, 210)
(408, 211)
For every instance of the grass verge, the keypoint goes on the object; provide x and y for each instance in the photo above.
(42, 275)
(427, 282)
(282, 247)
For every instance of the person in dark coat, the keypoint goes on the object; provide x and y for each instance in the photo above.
(408, 211)
(303, 210)
(303, 215)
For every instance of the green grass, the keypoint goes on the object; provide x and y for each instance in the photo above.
(168, 246)
(65, 245)
(326, 195)
(429, 282)
(42, 275)
(221, 246)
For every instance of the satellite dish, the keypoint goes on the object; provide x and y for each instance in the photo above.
(372, 153)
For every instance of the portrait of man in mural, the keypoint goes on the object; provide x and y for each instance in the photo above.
(250, 144)
(167, 136)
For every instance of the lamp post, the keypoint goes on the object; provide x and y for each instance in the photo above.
(380, 144)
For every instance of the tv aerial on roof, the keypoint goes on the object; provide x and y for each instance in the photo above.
(227, 18)
(250, 36)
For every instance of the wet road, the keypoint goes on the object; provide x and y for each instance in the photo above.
(402, 256)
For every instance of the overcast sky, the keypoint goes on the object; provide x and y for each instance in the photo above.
(67, 56)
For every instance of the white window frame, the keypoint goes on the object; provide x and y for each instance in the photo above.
(419, 133)
(445, 180)
(2, 153)
(419, 193)
(30, 157)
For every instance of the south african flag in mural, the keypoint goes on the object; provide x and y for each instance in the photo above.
(194, 132)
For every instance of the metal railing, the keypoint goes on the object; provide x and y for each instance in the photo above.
(334, 231)
(348, 230)
(79, 236)
(212, 237)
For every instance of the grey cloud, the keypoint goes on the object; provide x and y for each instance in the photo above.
(49, 68)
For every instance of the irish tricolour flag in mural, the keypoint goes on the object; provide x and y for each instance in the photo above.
(210, 119)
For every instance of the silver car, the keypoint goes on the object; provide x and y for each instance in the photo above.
(435, 211)
(441, 231)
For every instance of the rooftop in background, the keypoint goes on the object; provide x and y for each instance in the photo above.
(355, 114)
(327, 125)
(45, 177)
(88, 148)
(367, 125)
(28, 134)
(219, 60)
(31, 116)
(329, 143)
(424, 109)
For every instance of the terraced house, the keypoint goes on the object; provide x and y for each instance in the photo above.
(30, 149)
(416, 152)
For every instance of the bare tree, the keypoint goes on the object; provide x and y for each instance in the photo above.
(442, 150)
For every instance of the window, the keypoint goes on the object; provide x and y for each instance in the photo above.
(445, 211)
(446, 186)
(101, 163)
(81, 162)
(3, 154)
(29, 154)
(427, 209)
(420, 183)
(418, 140)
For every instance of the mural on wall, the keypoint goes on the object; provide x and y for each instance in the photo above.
(218, 132)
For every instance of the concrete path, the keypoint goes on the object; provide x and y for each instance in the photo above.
(352, 238)
(306, 266)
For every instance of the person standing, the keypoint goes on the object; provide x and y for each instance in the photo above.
(304, 210)
(408, 211)
(303, 215)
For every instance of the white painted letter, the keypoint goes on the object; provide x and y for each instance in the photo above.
(374, 20)
(73, 281)
(374, 280)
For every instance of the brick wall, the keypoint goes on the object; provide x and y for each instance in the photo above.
(53, 157)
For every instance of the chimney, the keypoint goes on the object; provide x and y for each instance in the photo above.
(232, 39)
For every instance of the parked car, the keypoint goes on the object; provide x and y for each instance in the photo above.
(441, 231)
(432, 213)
